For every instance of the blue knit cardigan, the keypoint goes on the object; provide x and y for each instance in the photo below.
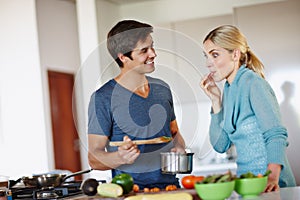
(250, 119)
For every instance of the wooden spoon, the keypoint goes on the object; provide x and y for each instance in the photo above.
(158, 140)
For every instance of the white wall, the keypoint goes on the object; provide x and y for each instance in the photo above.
(23, 64)
(23, 143)
(199, 107)
(276, 40)
(58, 35)
(59, 49)
(87, 77)
(107, 14)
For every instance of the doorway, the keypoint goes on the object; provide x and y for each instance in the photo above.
(65, 136)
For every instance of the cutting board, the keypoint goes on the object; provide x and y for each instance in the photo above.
(140, 196)
(162, 196)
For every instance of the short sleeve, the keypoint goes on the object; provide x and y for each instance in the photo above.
(99, 119)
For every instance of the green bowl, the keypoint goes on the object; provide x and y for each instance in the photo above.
(250, 187)
(215, 191)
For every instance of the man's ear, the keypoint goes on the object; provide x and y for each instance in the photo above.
(122, 57)
(236, 55)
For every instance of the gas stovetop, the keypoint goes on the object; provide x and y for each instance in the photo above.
(66, 189)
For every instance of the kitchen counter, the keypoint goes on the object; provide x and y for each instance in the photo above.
(292, 193)
(200, 168)
(97, 197)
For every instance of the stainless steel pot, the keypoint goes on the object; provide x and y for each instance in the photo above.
(49, 180)
(176, 163)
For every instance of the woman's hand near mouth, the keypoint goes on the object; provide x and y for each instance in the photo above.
(211, 89)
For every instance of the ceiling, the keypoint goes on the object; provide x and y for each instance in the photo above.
(123, 2)
(179, 10)
(128, 1)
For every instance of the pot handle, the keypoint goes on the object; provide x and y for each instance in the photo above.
(14, 182)
(76, 173)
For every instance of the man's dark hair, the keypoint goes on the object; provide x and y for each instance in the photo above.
(124, 36)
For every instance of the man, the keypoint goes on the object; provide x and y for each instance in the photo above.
(133, 106)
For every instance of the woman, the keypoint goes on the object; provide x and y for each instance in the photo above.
(247, 114)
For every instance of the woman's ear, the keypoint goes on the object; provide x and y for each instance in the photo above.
(236, 55)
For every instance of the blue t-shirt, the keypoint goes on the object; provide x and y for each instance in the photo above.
(115, 112)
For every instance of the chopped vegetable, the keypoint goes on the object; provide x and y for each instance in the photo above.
(268, 172)
(251, 175)
(260, 175)
(89, 187)
(110, 190)
(136, 188)
(189, 181)
(171, 187)
(125, 181)
(218, 178)
(155, 189)
(247, 175)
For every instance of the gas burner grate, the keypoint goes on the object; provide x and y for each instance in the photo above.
(65, 190)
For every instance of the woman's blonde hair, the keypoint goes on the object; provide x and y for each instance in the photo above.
(230, 38)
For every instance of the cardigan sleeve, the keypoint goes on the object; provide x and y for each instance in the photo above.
(218, 137)
(267, 112)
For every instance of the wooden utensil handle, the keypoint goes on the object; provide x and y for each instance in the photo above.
(158, 140)
(137, 142)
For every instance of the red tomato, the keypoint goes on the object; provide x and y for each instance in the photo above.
(189, 181)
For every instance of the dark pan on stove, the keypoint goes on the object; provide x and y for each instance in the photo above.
(49, 180)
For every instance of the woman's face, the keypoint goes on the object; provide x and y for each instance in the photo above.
(221, 63)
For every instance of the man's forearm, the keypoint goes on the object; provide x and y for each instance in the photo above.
(179, 142)
(104, 160)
